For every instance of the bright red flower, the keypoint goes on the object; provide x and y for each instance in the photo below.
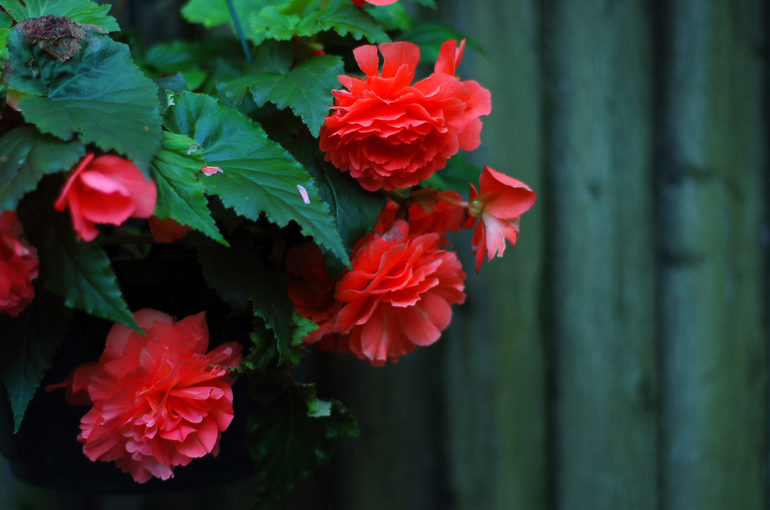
(107, 189)
(389, 133)
(18, 266)
(398, 294)
(501, 202)
(168, 230)
(158, 401)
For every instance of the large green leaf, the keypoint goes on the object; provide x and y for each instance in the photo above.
(306, 88)
(242, 281)
(258, 175)
(176, 170)
(26, 156)
(292, 433)
(82, 11)
(211, 13)
(29, 341)
(80, 272)
(98, 93)
(345, 18)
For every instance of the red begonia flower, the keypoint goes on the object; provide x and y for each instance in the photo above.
(18, 266)
(500, 202)
(398, 294)
(107, 189)
(389, 133)
(167, 230)
(158, 401)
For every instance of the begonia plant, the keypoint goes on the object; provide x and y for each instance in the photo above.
(282, 185)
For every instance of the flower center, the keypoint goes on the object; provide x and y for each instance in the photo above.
(475, 207)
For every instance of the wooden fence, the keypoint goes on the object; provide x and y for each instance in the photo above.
(617, 357)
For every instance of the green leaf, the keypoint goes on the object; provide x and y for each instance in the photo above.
(212, 13)
(98, 93)
(29, 343)
(355, 210)
(258, 175)
(292, 433)
(391, 17)
(80, 272)
(242, 280)
(306, 89)
(429, 36)
(345, 18)
(82, 11)
(271, 23)
(176, 170)
(5, 28)
(26, 155)
(456, 176)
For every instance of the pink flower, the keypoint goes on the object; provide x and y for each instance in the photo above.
(158, 401)
(18, 266)
(389, 133)
(398, 294)
(107, 189)
(501, 202)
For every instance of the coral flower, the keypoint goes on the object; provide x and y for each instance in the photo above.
(398, 294)
(18, 266)
(389, 133)
(500, 202)
(107, 189)
(158, 401)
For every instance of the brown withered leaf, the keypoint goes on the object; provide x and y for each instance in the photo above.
(59, 37)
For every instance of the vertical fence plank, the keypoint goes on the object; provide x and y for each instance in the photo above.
(494, 365)
(714, 350)
(598, 63)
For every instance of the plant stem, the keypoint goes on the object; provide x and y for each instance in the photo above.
(239, 31)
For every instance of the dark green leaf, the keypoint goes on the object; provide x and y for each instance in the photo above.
(271, 23)
(28, 344)
(391, 17)
(455, 176)
(258, 175)
(176, 170)
(78, 271)
(345, 18)
(426, 3)
(306, 89)
(211, 13)
(5, 27)
(82, 11)
(429, 36)
(293, 433)
(26, 156)
(242, 281)
(98, 93)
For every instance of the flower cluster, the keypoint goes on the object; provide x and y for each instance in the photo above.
(223, 192)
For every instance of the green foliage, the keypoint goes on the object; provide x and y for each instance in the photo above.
(457, 174)
(29, 343)
(306, 88)
(176, 170)
(26, 155)
(212, 13)
(82, 11)
(292, 433)
(243, 281)
(98, 93)
(345, 18)
(80, 272)
(258, 175)
(5, 28)
(429, 36)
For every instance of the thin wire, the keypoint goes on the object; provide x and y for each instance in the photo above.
(239, 31)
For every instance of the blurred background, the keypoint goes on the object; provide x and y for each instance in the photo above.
(617, 357)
